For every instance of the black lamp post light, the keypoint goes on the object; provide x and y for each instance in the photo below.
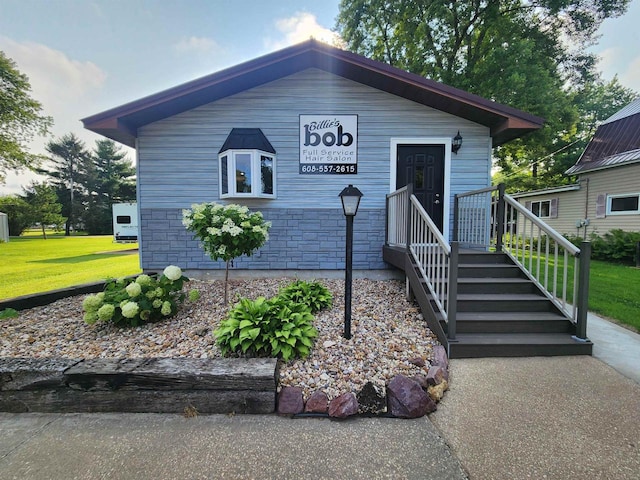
(350, 198)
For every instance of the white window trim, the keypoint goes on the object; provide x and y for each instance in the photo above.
(540, 208)
(256, 174)
(622, 195)
(446, 141)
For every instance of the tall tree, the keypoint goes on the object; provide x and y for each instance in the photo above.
(109, 179)
(20, 118)
(19, 213)
(69, 159)
(44, 205)
(528, 54)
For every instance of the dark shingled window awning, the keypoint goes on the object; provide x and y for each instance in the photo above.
(247, 139)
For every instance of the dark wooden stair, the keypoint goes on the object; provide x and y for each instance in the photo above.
(502, 313)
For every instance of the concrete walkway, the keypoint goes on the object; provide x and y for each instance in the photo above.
(158, 447)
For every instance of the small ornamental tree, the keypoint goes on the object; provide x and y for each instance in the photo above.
(226, 232)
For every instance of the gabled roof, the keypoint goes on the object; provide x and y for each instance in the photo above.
(121, 123)
(616, 142)
(247, 138)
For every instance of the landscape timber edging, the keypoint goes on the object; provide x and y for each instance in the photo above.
(145, 385)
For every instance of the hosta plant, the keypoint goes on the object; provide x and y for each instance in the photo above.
(226, 232)
(132, 302)
(275, 327)
(313, 294)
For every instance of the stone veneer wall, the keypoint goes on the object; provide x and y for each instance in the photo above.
(300, 239)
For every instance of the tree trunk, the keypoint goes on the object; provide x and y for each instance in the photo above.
(226, 284)
(44, 234)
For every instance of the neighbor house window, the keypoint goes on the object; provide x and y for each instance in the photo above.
(627, 204)
(247, 165)
(541, 208)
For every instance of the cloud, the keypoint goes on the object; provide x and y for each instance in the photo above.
(616, 61)
(196, 44)
(298, 28)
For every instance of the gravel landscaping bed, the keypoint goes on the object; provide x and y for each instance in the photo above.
(388, 334)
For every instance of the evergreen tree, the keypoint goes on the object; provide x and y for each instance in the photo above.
(44, 205)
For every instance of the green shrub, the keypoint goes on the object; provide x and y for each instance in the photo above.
(278, 327)
(313, 294)
(617, 246)
(143, 300)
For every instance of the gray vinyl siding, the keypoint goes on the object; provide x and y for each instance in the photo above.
(613, 181)
(179, 155)
(178, 166)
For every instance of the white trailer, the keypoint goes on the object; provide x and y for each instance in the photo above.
(125, 222)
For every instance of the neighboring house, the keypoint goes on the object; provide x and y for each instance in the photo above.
(607, 193)
(284, 134)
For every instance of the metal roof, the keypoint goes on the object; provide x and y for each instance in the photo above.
(544, 191)
(631, 109)
(616, 142)
(121, 123)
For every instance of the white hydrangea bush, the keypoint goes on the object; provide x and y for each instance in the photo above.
(226, 232)
(132, 302)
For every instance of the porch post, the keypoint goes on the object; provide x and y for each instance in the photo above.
(500, 217)
(409, 209)
(582, 301)
(456, 204)
(452, 299)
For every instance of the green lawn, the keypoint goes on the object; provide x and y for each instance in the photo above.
(31, 264)
(614, 289)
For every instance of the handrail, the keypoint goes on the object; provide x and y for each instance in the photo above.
(545, 257)
(397, 216)
(434, 259)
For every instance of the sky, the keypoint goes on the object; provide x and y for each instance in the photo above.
(86, 56)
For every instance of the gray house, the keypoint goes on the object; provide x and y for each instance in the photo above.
(284, 134)
(607, 193)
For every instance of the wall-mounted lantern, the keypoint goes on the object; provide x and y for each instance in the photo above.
(456, 143)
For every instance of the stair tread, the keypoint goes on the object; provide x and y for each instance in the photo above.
(517, 339)
(507, 297)
(509, 316)
(493, 280)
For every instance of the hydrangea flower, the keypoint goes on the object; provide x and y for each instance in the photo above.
(172, 272)
(130, 309)
(157, 303)
(143, 279)
(194, 295)
(133, 289)
(91, 303)
(105, 312)
(166, 309)
(90, 317)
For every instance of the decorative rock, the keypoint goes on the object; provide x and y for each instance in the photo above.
(371, 400)
(435, 376)
(343, 406)
(317, 403)
(407, 399)
(290, 401)
(440, 357)
(417, 361)
(436, 392)
(328, 344)
(422, 381)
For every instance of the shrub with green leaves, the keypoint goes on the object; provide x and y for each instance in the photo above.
(617, 246)
(313, 294)
(226, 231)
(276, 327)
(131, 302)
(8, 313)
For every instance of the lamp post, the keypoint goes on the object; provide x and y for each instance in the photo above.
(350, 198)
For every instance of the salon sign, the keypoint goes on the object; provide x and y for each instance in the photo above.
(329, 144)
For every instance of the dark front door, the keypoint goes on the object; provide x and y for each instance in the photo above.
(423, 165)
